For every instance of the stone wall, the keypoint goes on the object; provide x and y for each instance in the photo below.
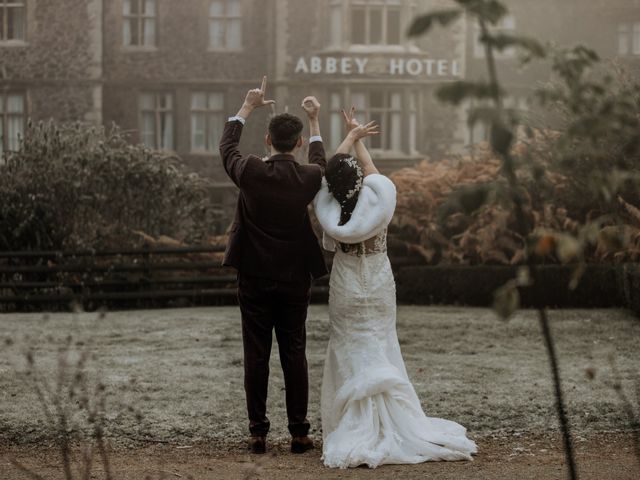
(182, 62)
(58, 66)
(182, 52)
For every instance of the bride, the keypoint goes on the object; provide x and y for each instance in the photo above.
(371, 414)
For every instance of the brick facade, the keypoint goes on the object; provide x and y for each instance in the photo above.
(58, 63)
(74, 64)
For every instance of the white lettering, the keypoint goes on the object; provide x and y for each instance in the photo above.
(301, 66)
(315, 65)
(396, 66)
(442, 67)
(331, 65)
(429, 64)
(361, 63)
(455, 68)
(345, 65)
(414, 66)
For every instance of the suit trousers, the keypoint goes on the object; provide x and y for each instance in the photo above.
(268, 305)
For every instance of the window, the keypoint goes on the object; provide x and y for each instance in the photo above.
(335, 23)
(480, 131)
(629, 39)
(225, 25)
(386, 109)
(413, 123)
(139, 23)
(12, 121)
(12, 20)
(207, 121)
(507, 24)
(337, 130)
(156, 117)
(376, 22)
(356, 24)
(399, 126)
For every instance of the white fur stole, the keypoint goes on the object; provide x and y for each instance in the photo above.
(372, 213)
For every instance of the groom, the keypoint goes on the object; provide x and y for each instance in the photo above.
(275, 251)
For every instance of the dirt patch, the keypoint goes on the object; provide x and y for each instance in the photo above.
(526, 457)
(182, 369)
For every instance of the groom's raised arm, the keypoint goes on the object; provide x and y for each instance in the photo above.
(317, 154)
(232, 160)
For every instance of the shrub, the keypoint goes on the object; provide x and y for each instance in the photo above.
(85, 187)
(598, 106)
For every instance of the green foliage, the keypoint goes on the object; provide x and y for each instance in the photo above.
(599, 140)
(502, 41)
(457, 92)
(485, 13)
(490, 11)
(599, 143)
(425, 23)
(77, 186)
(501, 138)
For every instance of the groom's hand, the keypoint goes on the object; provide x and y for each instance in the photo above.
(312, 107)
(255, 99)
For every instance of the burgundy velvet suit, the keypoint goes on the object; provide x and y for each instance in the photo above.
(276, 253)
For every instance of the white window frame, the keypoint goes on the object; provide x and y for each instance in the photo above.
(388, 116)
(224, 20)
(401, 120)
(161, 115)
(339, 32)
(8, 144)
(142, 19)
(384, 7)
(337, 130)
(629, 39)
(210, 114)
(5, 7)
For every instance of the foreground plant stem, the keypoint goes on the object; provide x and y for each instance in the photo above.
(560, 406)
(510, 174)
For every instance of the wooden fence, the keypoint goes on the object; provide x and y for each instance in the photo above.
(123, 278)
(189, 276)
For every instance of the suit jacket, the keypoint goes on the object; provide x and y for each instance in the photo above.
(271, 235)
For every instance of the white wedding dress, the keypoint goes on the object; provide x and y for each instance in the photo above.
(370, 412)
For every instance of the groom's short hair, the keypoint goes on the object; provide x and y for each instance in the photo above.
(285, 130)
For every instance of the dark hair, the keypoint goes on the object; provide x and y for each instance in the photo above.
(285, 130)
(344, 179)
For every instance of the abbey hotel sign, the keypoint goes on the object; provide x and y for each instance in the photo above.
(416, 67)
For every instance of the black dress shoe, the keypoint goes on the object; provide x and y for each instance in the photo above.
(257, 444)
(301, 444)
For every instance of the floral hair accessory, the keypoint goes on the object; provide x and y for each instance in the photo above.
(353, 163)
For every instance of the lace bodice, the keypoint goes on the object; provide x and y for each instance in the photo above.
(372, 246)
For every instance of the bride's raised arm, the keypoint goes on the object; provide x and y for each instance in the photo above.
(362, 154)
(355, 133)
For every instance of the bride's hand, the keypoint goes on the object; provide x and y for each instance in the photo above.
(361, 131)
(350, 121)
